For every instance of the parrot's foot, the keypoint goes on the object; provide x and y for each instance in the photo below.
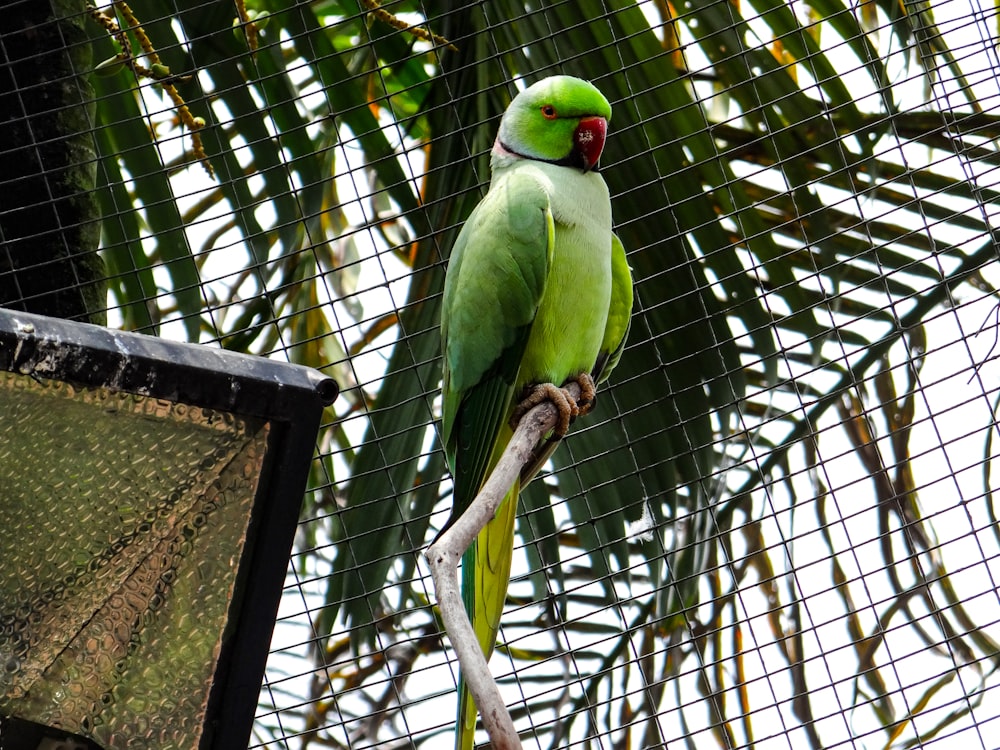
(568, 408)
(539, 394)
(588, 392)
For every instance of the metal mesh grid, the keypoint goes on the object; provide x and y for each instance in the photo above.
(776, 531)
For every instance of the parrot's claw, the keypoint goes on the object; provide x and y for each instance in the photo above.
(588, 392)
(541, 393)
(568, 408)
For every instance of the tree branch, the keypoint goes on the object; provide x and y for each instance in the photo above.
(445, 553)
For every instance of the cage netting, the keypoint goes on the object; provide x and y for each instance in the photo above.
(777, 528)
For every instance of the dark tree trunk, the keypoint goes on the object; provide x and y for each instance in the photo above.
(49, 228)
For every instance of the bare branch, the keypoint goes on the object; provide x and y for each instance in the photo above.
(444, 555)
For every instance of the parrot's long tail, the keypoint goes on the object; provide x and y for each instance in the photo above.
(485, 575)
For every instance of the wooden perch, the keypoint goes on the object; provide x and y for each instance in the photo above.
(445, 553)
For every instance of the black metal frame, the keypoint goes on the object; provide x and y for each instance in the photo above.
(290, 397)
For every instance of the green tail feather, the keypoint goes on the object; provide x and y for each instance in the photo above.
(487, 560)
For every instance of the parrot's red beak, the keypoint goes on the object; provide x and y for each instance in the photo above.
(588, 140)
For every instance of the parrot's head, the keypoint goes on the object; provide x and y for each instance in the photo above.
(561, 120)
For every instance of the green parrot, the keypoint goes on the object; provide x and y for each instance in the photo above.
(538, 293)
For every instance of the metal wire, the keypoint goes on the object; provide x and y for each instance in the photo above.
(777, 530)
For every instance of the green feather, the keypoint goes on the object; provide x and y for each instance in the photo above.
(495, 283)
(619, 313)
(615, 335)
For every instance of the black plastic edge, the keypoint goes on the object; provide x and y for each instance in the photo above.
(135, 363)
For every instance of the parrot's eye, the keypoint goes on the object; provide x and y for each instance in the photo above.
(548, 112)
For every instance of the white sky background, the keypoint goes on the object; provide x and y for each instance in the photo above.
(947, 445)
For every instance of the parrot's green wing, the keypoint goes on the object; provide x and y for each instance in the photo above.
(496, 279)
(499, 266)
(619, 313)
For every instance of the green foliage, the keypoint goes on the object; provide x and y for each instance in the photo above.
(768, 204)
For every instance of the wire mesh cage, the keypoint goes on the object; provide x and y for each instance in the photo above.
(775, 530)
